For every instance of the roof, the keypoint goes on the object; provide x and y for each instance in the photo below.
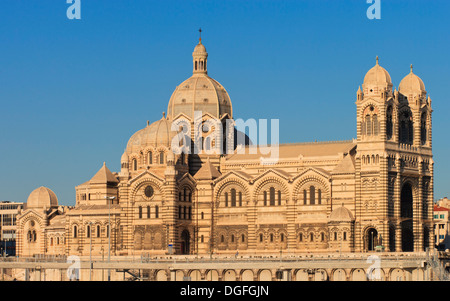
(103, 176)
(347, 165)
(439, 208)
(295, 150)
(207, 172)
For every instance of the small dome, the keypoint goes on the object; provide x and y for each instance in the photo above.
(158, 133)
(124, 158)
(341, 214)
(411, 84)
(378, 76)
(42, 197)
(199, 49)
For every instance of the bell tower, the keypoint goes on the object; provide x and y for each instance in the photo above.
(394, 165)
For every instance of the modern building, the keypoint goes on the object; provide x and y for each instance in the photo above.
(375, 191)
(8, 216)
(441, 224)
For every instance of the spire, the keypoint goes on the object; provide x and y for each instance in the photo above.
(200, 38)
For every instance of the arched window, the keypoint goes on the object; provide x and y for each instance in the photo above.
(51, 241)
(98, 231)
(345, 235)
(222, 238)
(179, 212)
(389, 124)
(88, 231)
(233, 197)
(240, 199)
(311, 236)
(243, 238)
(185, 194)
(150, 158)
(368, 126)
(232, 238)
(312, 195)
(282, 237)
(406, 127)
(261, 238)
(375, 124)
(184, 212)
(279, 197)
(107, 231)
(335, 235)
(423, 129)
(202, 215)
(272, 196)
(271, 237)
(140, 212)
(226, 199)
(265, 198)
(161, 157)
(156, 212)
(148, 211)
(189, 212)
(305, 197)
(300, 237)
(319, 196)
(202, 238)
(195, 65)
(75, 232)
(134, 164)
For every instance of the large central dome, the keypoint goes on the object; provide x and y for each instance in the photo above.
(199, 92)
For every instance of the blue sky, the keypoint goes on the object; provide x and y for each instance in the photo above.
(72, 92)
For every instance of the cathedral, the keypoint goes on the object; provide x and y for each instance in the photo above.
(372, 193)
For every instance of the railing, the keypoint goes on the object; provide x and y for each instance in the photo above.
(434, 262)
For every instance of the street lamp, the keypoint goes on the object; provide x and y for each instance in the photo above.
(110, 199)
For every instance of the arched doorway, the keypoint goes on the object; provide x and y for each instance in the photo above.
(371, 239)
(406, 215)
(185, 242)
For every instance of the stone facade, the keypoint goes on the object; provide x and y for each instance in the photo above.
(372, 192)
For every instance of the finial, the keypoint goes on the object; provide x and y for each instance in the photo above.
(104, 163)
(148, 123)
(164, 114)
(411, 68)
(200, 31)
(377, 59)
